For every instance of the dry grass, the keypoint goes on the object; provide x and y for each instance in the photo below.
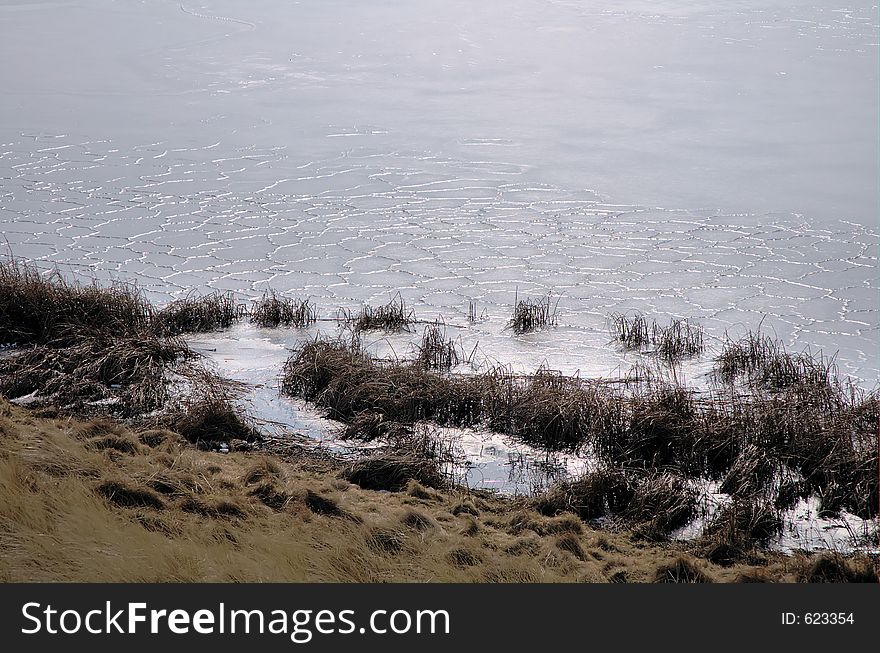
(436, 352)
(197, 313)
(828, 567)
(681, 570)
(102, 372)
(85, 349)
(824, 433)
(632, 332)
(393, 316)
(273, 311)
(209, 416)
(744, 523)
(764, 362)
(679, 340)
(532, 314)
(652, 503)
(70, 512)
(393, 472)
(45, 308)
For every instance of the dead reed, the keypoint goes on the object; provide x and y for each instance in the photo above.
(763, 362)
(197, 313)
(681, 570)
(393, 471)
(679, 340)
(744, 523)
(41, 308)
(653, 502)
(532, 314)
(436, 352)
(822, 434)
(273, 311)
(123, 375)
(209, 416)
(632, 332)
(393, 316)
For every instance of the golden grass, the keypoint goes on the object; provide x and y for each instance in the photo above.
(153, 508)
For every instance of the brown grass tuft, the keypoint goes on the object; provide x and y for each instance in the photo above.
(273, 311)
(197, 313)
(392, 472)
(463, 557)
(532, 314)
(125, 495)
(321, 505)
(572, 544)
(393, 316)
(831, 567)
(416, 520)
(681, 570)
(264, 470)
(272, 496)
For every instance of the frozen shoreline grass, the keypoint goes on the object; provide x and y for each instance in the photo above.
(435, 351)
(40, 309)
(100, 501)
(273, 311)
(679, 340)
(197, 314)
(776, 426)
(85, 348)
(824, 435)
(88, 350)
(393, 316)
(532, 315)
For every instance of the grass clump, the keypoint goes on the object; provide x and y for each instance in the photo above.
(532, 314)
(831, 567)
(591, 496)
(763, 362)
(264, 470)
(463, 557)
(393, 316)
(197, 313)
(681, 570)
(346, 381)
(658, 427)
(547, 409)
(677, 341)
(386, 540)
(653, 502)
(416, 520)
(744, 523)
(393, 472)
(435, 352)
(752, 473)
(37, 309)
(571, 543)
(126, 495)
(321, 505)
(102, 372)
(209, 415)
(631, 332)
(272, 496)
(273, 311)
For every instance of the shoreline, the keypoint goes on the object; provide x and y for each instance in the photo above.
(778, 428)
(97, 501)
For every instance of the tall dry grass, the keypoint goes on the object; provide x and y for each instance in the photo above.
(97, 501)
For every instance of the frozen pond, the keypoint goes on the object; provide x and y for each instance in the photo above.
(711, 162)
(703, 160)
